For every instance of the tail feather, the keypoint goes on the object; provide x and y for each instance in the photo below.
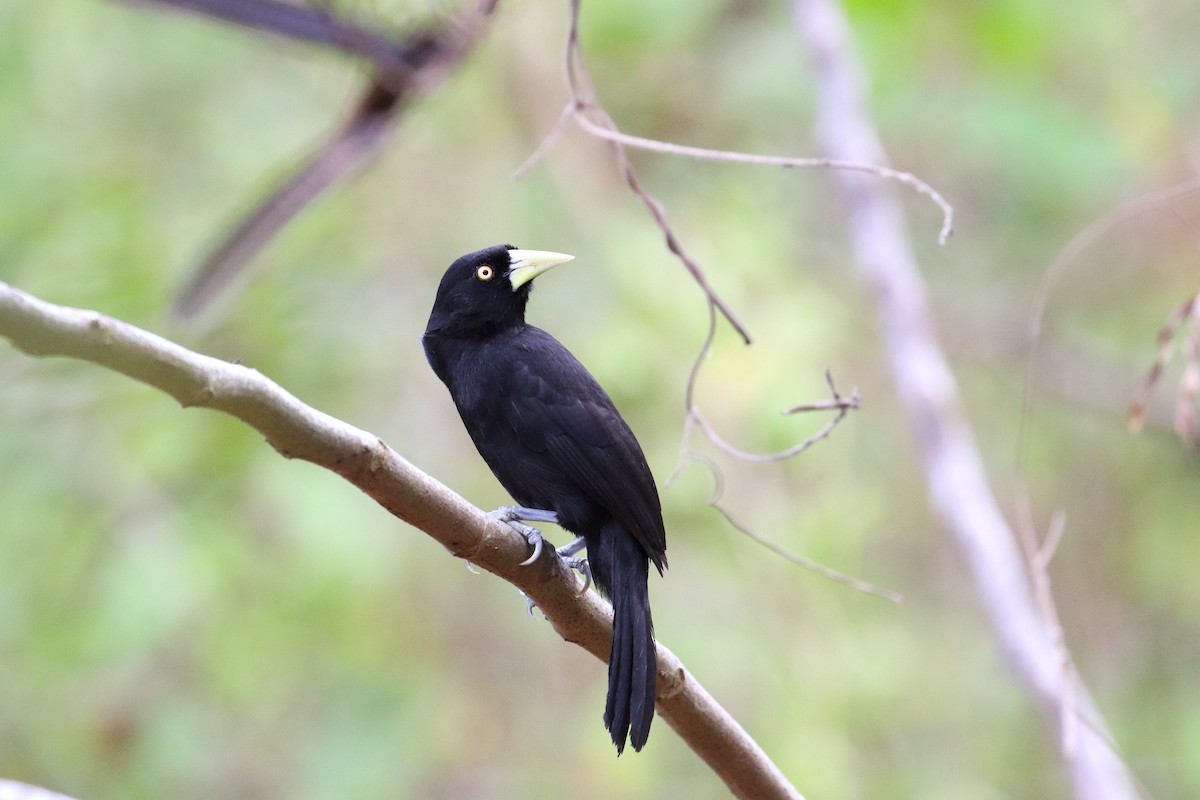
(644, 669)
(621, 568)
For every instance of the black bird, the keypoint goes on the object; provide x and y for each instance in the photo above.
(554, 440)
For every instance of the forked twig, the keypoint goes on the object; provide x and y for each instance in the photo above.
(843, 405)
(1038, 556)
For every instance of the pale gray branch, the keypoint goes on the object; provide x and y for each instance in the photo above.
(954, 473)
(14, 790)
(296, 430)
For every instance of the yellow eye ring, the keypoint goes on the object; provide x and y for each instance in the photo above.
(484, 273)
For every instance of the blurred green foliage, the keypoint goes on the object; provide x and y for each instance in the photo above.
(184, 614)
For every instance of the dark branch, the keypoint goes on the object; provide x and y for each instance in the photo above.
(403, 69)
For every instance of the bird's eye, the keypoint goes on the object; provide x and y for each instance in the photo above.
(484, 273)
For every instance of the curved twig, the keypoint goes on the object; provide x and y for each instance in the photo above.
(828, 573)
(843, 405)
(1081, 241)
(583, 102)
(786, 162)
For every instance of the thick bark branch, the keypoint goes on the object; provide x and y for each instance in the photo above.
(297, 431)
(954, 473)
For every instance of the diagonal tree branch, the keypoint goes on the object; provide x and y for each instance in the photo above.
(404, 68)
(337, 159)
(305, 24)
(296, 430)
(954, 473)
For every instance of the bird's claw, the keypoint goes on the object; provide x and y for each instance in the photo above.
(567, 554)
(512, 515)
(581, 565)
(534, 537)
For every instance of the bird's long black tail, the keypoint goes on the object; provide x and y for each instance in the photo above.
(620, 567)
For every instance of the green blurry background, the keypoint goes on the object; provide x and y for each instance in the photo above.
(184, 614)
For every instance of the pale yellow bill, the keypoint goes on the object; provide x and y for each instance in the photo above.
(525, 265)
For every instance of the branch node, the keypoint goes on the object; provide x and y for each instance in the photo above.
(199, 399)
(676, 682)
(377, 455)
(99, 323)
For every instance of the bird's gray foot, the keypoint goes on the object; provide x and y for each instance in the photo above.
(511, 513)
(573, 562)
(533, 536)
(513, 516)
(572, 548)
(581, 566)
(567, 553)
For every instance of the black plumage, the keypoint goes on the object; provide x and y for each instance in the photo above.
(555, 441)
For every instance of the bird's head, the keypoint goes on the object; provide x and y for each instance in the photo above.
(487, 290)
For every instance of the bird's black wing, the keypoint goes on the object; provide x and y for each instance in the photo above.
(559, 409)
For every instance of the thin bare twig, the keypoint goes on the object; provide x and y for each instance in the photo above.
(1155, 202)
(785, 162)
(584, 102)
(547, 142)
(689, 397)
(1037, 560)
(834, 575)
(1038, 556)
(843, 405)
(591, 116)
